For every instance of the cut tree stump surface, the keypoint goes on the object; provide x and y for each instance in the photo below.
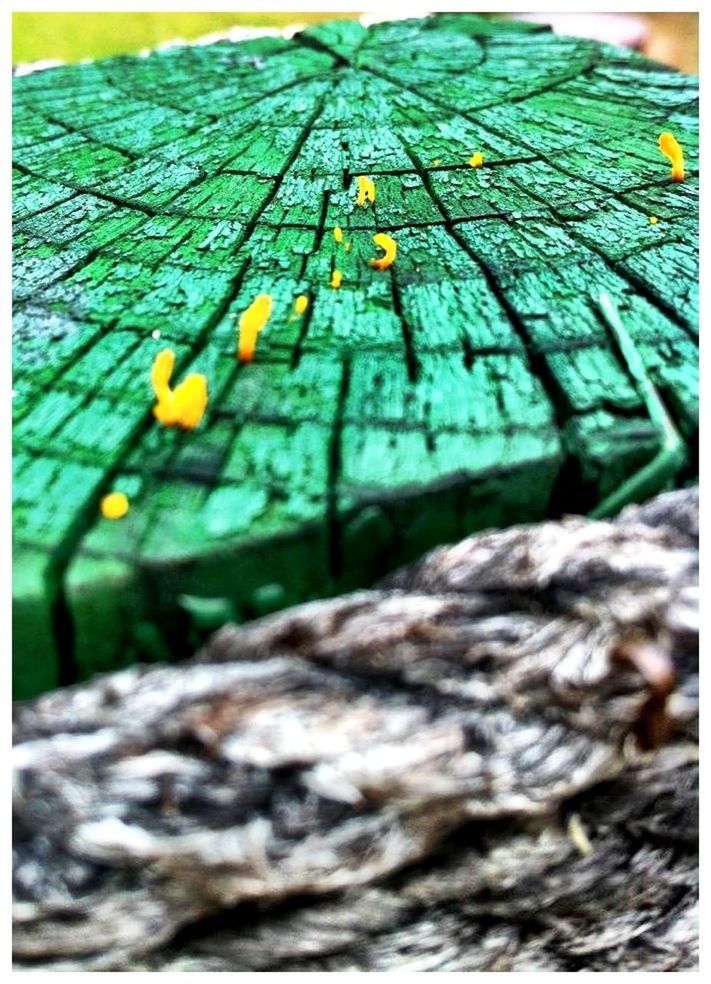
(473, 383)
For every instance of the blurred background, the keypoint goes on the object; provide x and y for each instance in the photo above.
(671, 38)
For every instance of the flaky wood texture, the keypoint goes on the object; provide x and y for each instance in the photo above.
(394, 779)
(473, 384)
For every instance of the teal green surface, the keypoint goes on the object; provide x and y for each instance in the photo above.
(473, 383)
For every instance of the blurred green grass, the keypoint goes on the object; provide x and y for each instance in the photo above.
(70, 37)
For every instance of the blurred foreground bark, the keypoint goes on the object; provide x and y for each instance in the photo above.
(488, 763)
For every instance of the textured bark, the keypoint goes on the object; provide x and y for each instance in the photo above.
(489, 762)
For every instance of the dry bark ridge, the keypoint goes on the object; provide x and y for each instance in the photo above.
(390, 779)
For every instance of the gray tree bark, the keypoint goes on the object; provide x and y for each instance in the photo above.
(487, 763)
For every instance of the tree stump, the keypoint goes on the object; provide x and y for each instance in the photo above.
(455, 771)
(474, 383)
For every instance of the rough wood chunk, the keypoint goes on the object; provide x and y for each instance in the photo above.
(445, 773)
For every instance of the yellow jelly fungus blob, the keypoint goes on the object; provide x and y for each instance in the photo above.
(183, 406)
(336, 278)
(366, 191)
(302, 302)
(653, 220)
(388, 244)
(338, 234)
(670, 147)
(161, 372)
(114, 505)
(250, 324)
(191, 399)
(436, 162)
(476, 159)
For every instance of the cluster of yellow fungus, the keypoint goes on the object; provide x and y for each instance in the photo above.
(436, 162)
(366, 191)
(114, 505)
(388, 244)
(670, 147)
(251, 323)
(183, 406)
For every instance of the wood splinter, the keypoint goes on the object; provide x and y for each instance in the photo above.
(657, 670)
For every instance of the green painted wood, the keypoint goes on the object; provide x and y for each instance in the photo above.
(473, 383)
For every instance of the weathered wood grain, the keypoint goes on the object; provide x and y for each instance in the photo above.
(390, 779)
(472, 384)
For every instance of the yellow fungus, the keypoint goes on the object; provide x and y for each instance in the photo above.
(114, 505)
(191, 399)
(388, 244)
(670, 147)
(366, 191)
(302, 302)
(436, 162)
(477, 159)
(336, 278)
(161, 372)
(347, 247)
(338, 234)
(183, 406)
(653, 220)
(251, 323)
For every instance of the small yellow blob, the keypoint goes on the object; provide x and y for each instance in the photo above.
(477, 159)
(183, 406)
(653, 220)
(390, 246)
(436, 162)
(302, 303)
(114, 505)
(366, 191)
(251, 323)
(347, 247)
(336, 279)
(670, 147)
(338, 234)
